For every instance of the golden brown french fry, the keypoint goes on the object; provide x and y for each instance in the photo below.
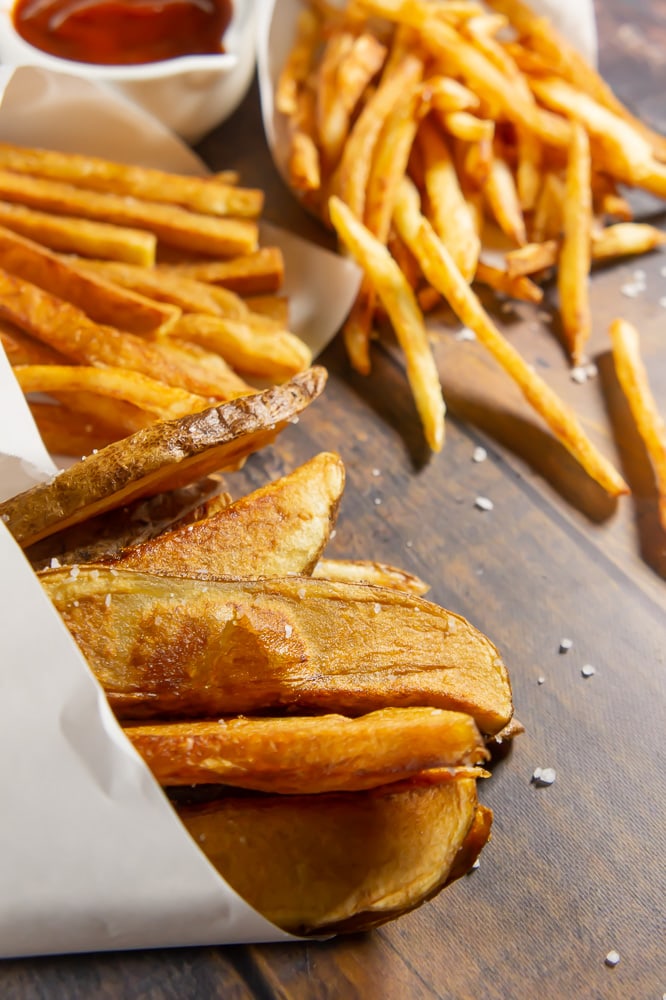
(608, 201)
(442, 273)
(81, 236)
(99, 299)
(256, 273)
(560, 55)
(252, 661)
(549, 210)
(174, 225)
(363, 571)
(303, 157)
(248, 348)
(445, 94)
(519, 287)
(201, 194)
(529, 170)
(69, 331)
(625, 238)
(275, 531)
(357, 328)
(296, 70)
(575, 253)
(632, 376)
(21, 349)
(325, 753)
(502, 198)
(398, 299)
(161, 457)
(274, 307)
(531, 258)
(451, 217)
(466, 127)
(350, 180)
(164, 401)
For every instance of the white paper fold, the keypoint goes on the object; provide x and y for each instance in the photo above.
(92, 856)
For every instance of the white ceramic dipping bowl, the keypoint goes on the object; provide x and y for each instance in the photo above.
(190, 94)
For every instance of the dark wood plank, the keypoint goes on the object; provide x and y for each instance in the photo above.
(573, 870)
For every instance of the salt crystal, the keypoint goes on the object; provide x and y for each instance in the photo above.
(288, 629)
(483, 503)
(294, 420)
(465, 334)
(640, 275)
(333, 533)
(565, 645)
(541, 680)
(190, 527)
(479, 454)
(74, 572)
(75, 603)
(544, 776)
(377, 501)
(612, 958)
(578, 374)
(107, 601)
(55, 563)
(408, 544)
(631, 291)
(377, 608)
(376, 472)
(588, 670)
(301, 593)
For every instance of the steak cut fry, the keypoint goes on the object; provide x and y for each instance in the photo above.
(178, 647)
(310, 754)
(279, 529)
(160, 457)
(343, 861)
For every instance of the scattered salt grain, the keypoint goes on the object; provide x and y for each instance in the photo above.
(376, 472)
(465, 334)
(543, 776)
(301, 593)
(578, 374)
(377, 501)
(75, 603)
(294, 420)
(541, 680)
(612, 958)
(190, 527)
(483, 503)
(565, 645)
(479, 454)
(55, 563)
(588, 670)
(74, 572)
(631, 290)
(376, 608)
(333, 533)
(288, 629)
(477, 864)
(107, 601)
(408, 544)
(640, 275)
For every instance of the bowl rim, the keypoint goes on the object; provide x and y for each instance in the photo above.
(23, 53)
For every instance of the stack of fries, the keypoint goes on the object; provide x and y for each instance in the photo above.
(416, 127)
(318, 725)
(130, 295)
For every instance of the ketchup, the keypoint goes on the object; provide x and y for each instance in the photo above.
(123, 32)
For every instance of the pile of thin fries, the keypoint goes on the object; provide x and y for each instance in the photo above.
(416, 127)
(130, 295)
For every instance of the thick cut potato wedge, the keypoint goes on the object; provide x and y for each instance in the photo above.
(278, 530)
(179, 647)
(338, 862)
(366, 571)
(310, 754)
(160, 457)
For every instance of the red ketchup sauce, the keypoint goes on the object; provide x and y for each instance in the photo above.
(123, 32)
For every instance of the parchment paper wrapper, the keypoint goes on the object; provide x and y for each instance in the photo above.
(276, 30)
(92, 856)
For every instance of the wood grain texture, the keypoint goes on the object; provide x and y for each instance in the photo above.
(573, 870)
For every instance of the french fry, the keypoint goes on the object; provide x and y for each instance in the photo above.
(502, 197)
(444, 94)
(100, 300)
(515, 287)
(164, 401)
(295, 71)
(608, 201)
(275, 307)
(466, 127)
(633, 379)
(549, 210)
(22, 349)
(442, 273)
(532, 258)
(304, 160)
(625, 239)
(398, 299)
(275, 531)
(450, 214)
(174, 225)
(363, 571)
(251, 660)
(325, 753)
(575, 253)
(68, 330)
(81, 236)
(200, 194)
(258, 273)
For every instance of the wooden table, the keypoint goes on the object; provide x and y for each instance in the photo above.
(575, 869)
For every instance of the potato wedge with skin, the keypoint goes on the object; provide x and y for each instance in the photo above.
(337, 862)
(366, 571)
(160, 457)
(165, 646)
(277, 530)
(310, 754)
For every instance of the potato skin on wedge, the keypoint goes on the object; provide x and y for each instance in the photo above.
(279, 529)
(309, 754)
(319, 864)
(185, 648)
(160, 457)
